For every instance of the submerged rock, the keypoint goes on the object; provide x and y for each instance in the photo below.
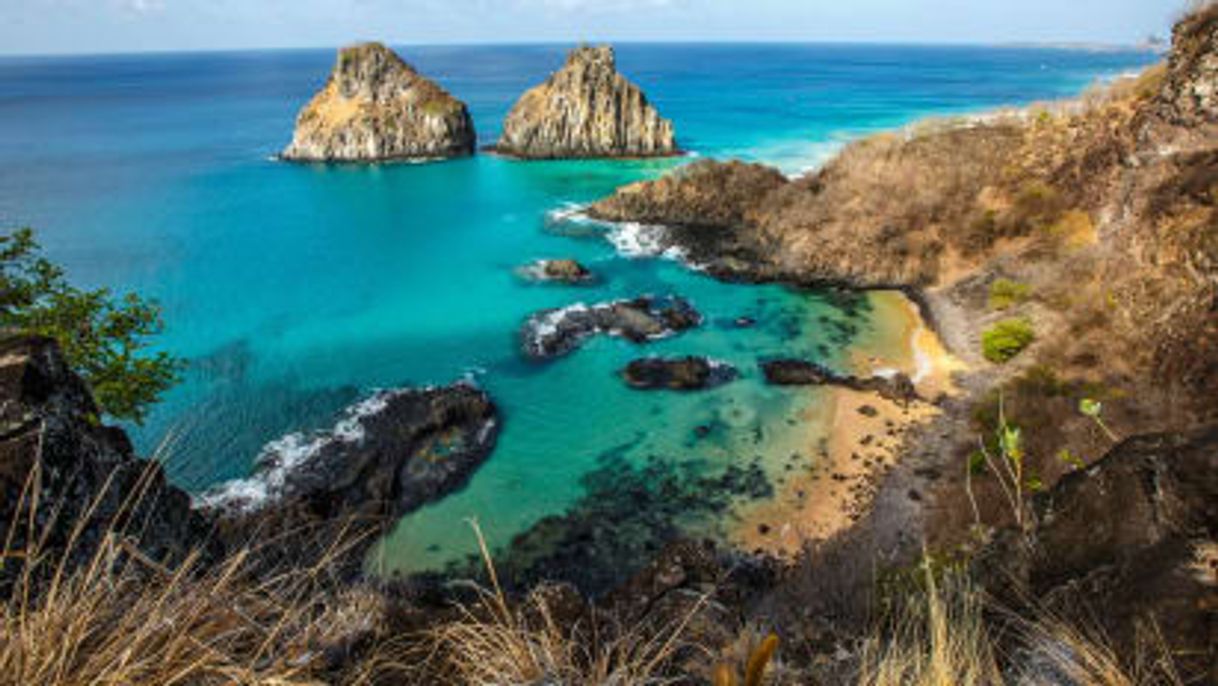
(388, 456)
(586, 109)
(680, 374)
(552, 333)
(787, 372)
(377, 107)
(561, 271)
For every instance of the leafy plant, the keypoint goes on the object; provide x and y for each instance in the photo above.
(1006, 293)
(1006, 339)
(104, 337)
(1092, 408)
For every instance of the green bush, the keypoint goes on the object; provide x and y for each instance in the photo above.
(1005, 293)
(103, 337)
(1006, 339)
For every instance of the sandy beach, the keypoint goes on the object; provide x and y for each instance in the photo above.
(855, 437)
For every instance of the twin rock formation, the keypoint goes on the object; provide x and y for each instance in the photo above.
(376, 107)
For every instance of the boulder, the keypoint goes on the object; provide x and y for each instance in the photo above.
(787, 372)
(552, 333)
(1131, 539)
(376, 107)
(1190, 88)
(55, 452)
(679, 374)
(566, 271)
(586, 109)
(387, 456)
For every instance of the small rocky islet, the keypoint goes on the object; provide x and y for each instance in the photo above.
(376, 107)
(692, 373)
(556, 332)
(587, 109)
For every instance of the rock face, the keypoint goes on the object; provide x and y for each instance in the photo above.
(586, 109)
(786, 372)
(52, 440)
(552, 333)
(388, 456)
(1190, 89)
(1134, 536)
(681, 374)
(376, 107)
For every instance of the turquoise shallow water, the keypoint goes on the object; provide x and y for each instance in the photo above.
(295, 290)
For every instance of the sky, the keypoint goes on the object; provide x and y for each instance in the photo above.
(89, 26)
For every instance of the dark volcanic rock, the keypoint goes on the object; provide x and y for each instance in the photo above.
(586, 109)
(680, 374)
(557, 332)
(52, 438)
(376, 107)
(786, 372)
(388, 456)
(704, 209)
(562, 271)
(1132, 537)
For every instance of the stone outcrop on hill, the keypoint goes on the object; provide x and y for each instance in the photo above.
(1129, 541)
(1190, 89)
(586, 109)
(376, 107)
(56, 454)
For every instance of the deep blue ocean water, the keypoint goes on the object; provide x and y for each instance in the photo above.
(295, 290)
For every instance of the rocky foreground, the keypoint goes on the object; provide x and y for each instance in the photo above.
(376, 107)
(387, 456)
(586, 109)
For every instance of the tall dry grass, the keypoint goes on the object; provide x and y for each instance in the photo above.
(114, 616)
(493, 644)
(947, 633)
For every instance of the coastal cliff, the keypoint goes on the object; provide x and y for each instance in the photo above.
(376, 107)
(1066, 253)
(586, 109)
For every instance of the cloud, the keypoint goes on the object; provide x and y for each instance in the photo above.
(143, 6)
(600, 5)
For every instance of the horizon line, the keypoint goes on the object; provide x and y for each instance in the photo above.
(1072, 46)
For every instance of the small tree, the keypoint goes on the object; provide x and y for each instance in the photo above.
(103, 337)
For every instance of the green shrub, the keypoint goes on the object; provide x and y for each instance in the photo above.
(1005, 293)
(104, 337)
(1006, 339)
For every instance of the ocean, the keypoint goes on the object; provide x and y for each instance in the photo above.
(296, 290)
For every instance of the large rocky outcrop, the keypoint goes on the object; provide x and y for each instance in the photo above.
(586, 109)
(56, 455)
(1190, 89)
(1131, 544)
(376, 107)
(386, 457)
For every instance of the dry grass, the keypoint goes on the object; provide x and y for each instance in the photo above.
(493, 643)
(118, 617)
(940, 636)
